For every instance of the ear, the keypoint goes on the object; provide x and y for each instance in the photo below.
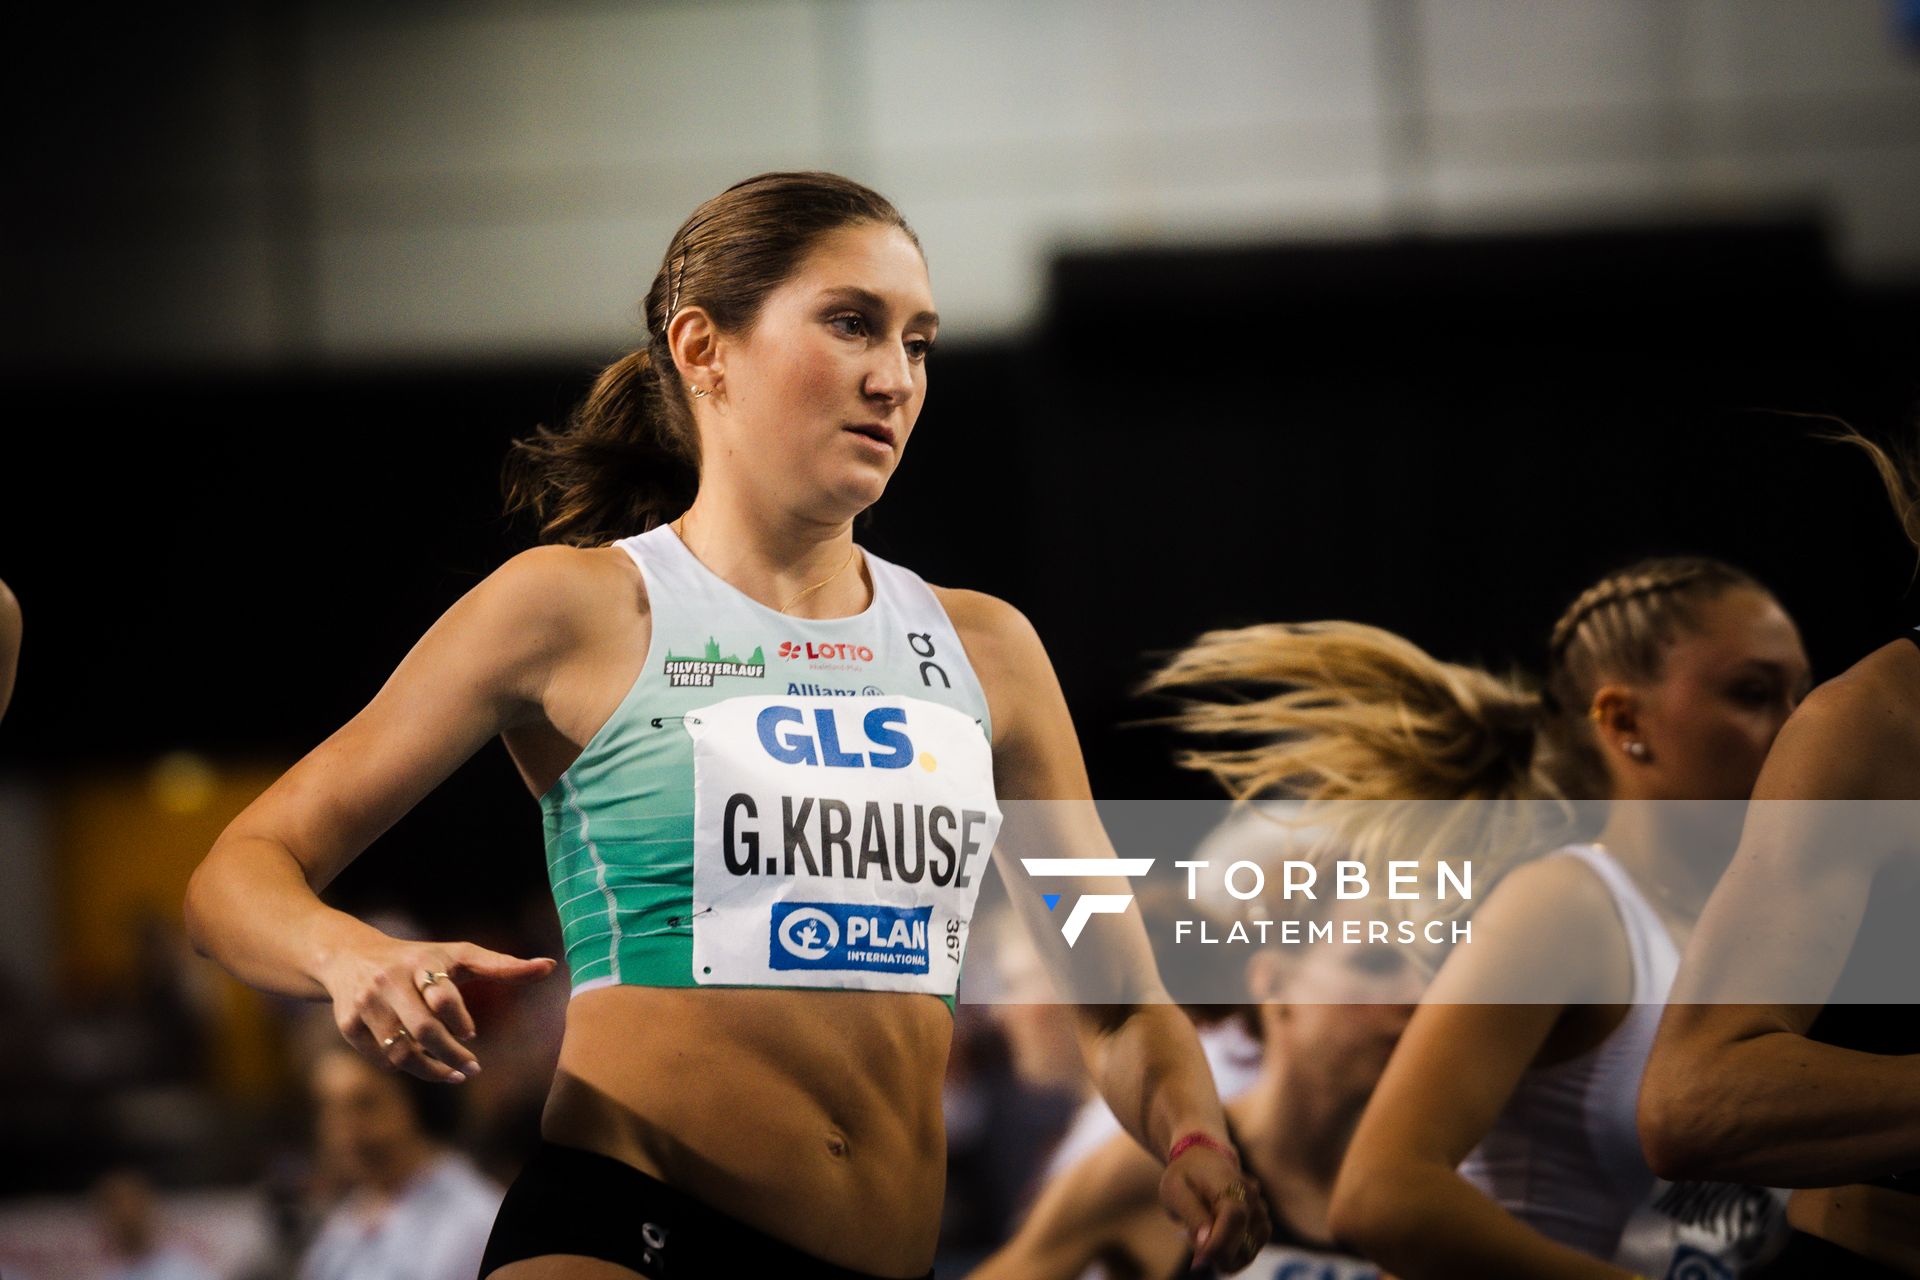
(1616, 718)
(695, 342)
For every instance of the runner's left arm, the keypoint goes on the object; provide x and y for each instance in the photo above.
(1143, 1053)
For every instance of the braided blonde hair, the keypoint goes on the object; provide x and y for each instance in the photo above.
(1618, 629)
(1340, 711)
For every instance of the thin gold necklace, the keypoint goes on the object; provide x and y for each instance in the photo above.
(680, 530)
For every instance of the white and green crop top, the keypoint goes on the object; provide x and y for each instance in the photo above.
(778, 801)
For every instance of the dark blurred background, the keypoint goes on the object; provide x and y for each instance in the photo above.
(1421, 314)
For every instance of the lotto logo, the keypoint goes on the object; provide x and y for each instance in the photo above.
(814, 651)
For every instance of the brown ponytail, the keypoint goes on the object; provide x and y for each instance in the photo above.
(618, 467)
(629, 457)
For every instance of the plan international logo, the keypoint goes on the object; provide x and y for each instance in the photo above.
(842, 935)
(699, 672)
(1089, 904)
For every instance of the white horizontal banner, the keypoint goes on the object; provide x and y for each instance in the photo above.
(1213, 904)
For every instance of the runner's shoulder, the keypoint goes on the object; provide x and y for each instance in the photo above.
(1855, 737)
(553, 595)
(1541, 912)
(997, 636)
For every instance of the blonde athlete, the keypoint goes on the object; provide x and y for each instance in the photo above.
(1500, 1141)
(771, 767)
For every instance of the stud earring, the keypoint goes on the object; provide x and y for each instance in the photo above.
(1635, 748)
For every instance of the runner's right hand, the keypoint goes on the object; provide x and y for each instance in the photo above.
(398, 1003)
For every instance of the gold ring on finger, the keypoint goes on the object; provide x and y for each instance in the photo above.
(427, 978)
(396, 1038)
(1233, 1191)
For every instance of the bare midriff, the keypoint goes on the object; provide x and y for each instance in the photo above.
(814, 1116)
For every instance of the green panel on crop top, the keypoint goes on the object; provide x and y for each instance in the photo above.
(778, 801)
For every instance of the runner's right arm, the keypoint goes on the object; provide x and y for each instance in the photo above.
(253, 904)
(1399, 1198)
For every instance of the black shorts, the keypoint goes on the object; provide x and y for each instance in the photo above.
(579, 1202)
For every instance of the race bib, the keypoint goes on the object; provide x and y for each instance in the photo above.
(1703, 1230)
(838, 842)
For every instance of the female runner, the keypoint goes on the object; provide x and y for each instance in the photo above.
(1501, 1140)
(1749, 1077)
(769, 765)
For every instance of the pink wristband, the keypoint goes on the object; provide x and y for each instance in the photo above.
(1199, 1139)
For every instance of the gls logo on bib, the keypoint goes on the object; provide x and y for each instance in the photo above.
(842, 936)
(784, 735)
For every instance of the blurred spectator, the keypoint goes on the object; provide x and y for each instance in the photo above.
(415, 1209)
(131, 1225)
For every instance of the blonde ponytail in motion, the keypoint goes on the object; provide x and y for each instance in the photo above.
(1372, 731)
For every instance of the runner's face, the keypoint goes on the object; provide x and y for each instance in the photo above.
(1723, 693)
(827, 386)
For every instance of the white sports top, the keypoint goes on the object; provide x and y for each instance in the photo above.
(1565, 1158)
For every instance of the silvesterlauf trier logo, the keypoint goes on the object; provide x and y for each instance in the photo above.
(1090, 904)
